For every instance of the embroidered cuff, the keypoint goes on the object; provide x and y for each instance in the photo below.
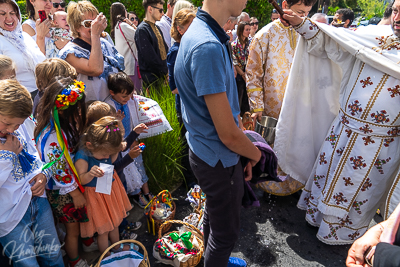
(308, 29)
(68, 189)
(258, 110)
(259, 89)
(47, 173)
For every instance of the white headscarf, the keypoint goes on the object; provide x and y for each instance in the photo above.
(16, 38)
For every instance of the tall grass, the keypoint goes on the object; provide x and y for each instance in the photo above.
(163, 153)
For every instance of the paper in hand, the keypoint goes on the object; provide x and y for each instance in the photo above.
(104, 183)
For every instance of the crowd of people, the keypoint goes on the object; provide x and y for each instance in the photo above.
(68, 119)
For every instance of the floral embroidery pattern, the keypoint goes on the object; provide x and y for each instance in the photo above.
(322, 159)
(354, 235)
(344, 120)
(345, 222)
(380, 117)
(340, 199)
(366, 82)
(354, 108)
(340, 151)
(348, 132)
(313, 26)
(317, 178)
(387, 141)
(347, 181)
(60, 170)
(358, 162)
(357, 205)
(368, 140)
(332, 138)
(366, 185)
(393, 132)
(365, 129)
(379, 164)
(333, 230)
(394, 91)
(311, 212)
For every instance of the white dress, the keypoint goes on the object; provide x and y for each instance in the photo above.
(355, 155)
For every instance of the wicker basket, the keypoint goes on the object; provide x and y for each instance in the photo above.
(154, 224)
(195, 259)
(145, 262)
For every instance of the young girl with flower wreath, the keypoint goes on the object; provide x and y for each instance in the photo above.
(61, 120)
(101, 143)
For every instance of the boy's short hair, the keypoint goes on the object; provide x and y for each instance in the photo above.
(120, 83)
(97, 110)
(6, 64)
(15, 100)
(147, 3)
(305, 2)
(50, 68)
(347, 14)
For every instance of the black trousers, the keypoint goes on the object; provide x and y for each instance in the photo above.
(221, 225)
(242, 94)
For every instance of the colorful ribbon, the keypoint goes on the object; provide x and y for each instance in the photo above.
(185, 237)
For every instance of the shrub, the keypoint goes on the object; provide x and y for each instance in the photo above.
(163, 153)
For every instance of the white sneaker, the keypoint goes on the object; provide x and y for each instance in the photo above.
(91, 247)
(81, 263)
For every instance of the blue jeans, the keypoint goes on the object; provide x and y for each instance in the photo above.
(34, 242)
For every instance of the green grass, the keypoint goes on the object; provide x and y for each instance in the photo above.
(163, 153)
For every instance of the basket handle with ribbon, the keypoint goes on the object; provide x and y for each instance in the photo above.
(144, 263)
(192, 228)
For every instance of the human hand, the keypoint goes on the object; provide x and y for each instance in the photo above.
(99, 24)
(256, 116)
(243, 76)
(39, 184)
(123, 144)
(135, 152)
(95, 171)
(141, 128)
(135, 143)
(60, 42)
(42, 28)
(391, 227)
(248, 172)
(175, 91)
(229, 33)
(12, 144)
(355, 257)
(290, 18)
(120, 115)
(78, 199)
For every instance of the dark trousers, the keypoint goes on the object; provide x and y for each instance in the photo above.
(224, 190)
(242, 94)
(187, 170)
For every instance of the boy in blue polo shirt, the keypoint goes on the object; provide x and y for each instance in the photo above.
(210, 109)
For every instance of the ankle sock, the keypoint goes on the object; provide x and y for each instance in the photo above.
(87, 241)
(73, 262)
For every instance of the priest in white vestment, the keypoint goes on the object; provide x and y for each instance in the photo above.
(338, 130)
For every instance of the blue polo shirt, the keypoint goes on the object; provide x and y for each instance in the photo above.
(204, 67)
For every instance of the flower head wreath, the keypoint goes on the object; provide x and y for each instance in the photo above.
(70, 95)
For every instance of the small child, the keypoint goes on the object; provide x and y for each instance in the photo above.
(121, 91)
(101, 143)
(26, 217)
(63, 105)
(7, 68)
(46, 71)
(97, 110)
(59, 32)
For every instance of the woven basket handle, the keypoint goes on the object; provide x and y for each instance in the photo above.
(145, 255)
(179, 222)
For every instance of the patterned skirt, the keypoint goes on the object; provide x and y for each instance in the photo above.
(63, 208)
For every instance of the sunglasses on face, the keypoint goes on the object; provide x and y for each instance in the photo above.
(254, 23)
(87, 23)
(134, 18)
(159, 9)
(56, 5)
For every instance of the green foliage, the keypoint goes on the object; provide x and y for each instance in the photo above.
(372, 8)
(332, 10)
(162, 155)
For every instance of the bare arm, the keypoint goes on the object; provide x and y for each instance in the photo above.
(86, 176)
(228, 132)
(93, 66)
